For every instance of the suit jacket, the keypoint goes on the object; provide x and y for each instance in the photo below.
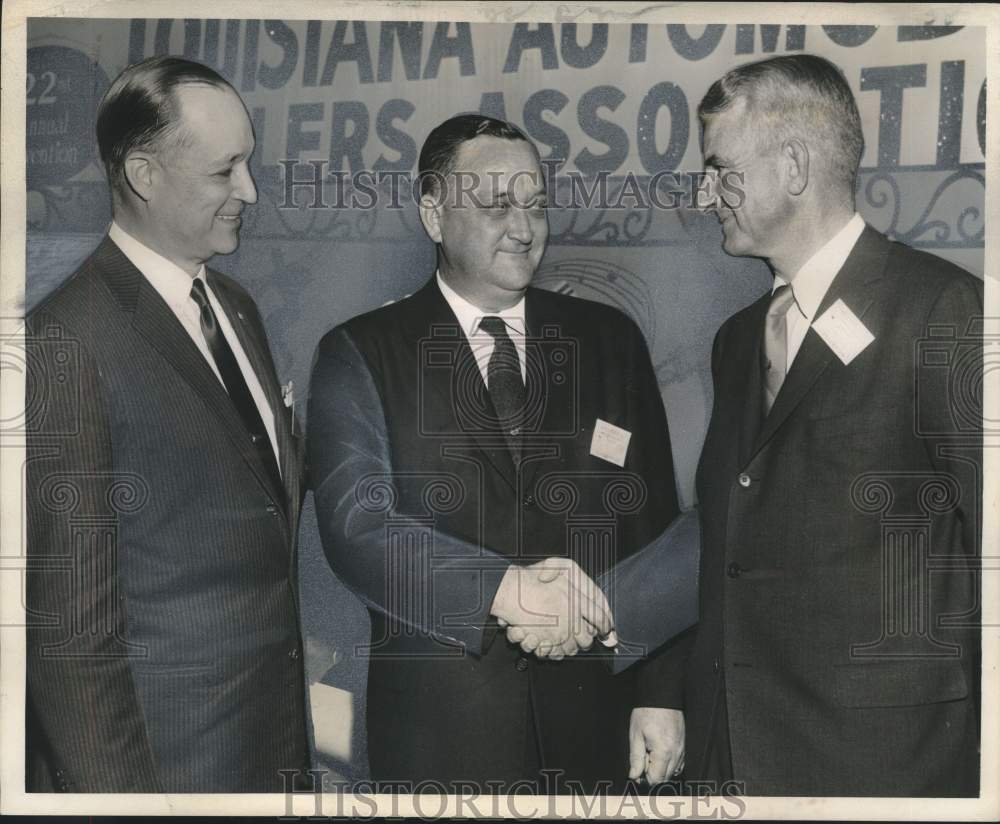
(838, 593)
(163, 646)
(422, 508)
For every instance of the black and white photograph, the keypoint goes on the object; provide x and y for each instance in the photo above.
(505, 410)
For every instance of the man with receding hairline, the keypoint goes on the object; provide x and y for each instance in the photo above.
(163, 490)
(461, 442)
(827, 659)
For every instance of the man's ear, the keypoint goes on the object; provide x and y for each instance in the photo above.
(430, 216)
(140, 174)
(795, 156)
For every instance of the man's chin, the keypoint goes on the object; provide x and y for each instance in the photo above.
(227, 247)
(734, 246)
(519, 276)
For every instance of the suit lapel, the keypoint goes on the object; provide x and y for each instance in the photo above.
(550, 405)
(153, 319)
(853, 285)
(458, 392)
(749, 379)
(260, 360)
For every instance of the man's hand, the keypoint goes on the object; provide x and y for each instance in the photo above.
(552, 608)
(656, 744)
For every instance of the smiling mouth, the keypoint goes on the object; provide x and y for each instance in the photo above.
(229, 218)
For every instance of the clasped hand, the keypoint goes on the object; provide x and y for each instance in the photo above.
(553, 609)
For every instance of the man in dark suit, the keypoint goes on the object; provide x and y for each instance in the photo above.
(481, 452)
(163, 477)
(839, 484)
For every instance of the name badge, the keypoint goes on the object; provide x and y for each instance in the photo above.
(843, 332)
(610, 442)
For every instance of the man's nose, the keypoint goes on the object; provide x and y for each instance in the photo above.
(707, 194)
(244, 188)
(520, 227)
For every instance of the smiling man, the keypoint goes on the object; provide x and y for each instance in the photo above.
(480, 452)
(163, 479)
(839, 484)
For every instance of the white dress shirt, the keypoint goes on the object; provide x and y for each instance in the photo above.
(812, 281)
(174, 285)
(482, 343)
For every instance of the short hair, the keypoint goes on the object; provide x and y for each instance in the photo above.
(140, 111)
(798, 95)
(440, 150)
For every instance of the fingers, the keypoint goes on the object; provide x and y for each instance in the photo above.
(560, 605)
(657, 762)
(671, 768)
(584, 639)
(570, 648)
(552, 568)
(516, 634)
(675, 762)
(594, 606)
(636, 751)
(598, 615)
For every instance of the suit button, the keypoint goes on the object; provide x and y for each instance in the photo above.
(294, 653)
(734, 570)
(529, 500)
(522, 664)
(744, 480)
(715, 665)
(272, 509)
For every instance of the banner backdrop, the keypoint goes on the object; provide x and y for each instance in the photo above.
(340, 110)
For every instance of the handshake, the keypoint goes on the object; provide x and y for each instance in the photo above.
(553, 609)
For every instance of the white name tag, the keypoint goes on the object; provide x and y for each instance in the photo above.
(843, 332)
(610, 442)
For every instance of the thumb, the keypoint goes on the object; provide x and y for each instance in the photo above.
(550, 569)
(636, 752)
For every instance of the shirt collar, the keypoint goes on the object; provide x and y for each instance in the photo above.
(469, 315)
(172, 282)
(812, 281)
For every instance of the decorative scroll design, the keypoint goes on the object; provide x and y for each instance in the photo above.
(936, 227)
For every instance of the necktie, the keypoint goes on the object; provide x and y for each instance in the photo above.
(775, 353)
(503, 377)
(233, 379)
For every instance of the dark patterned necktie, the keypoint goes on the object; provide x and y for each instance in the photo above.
(504, 381)
(233, 379)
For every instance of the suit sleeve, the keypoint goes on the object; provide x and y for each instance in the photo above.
(350, 470)
(950, 399)
(667, 565)
(85, 723)
(950, 417)
(653, 593)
